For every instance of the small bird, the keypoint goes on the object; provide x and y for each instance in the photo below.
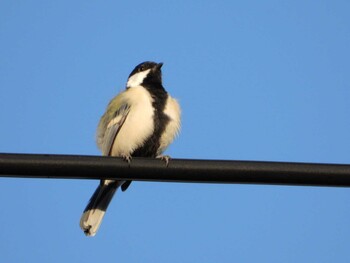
(141, 121)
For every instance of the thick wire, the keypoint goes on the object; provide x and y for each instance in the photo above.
(178, 170)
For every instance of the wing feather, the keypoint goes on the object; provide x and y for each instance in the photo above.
(113, 127)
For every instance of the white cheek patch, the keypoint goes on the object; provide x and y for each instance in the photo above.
(137, 79)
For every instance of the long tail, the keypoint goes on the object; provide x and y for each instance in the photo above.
(96, 208)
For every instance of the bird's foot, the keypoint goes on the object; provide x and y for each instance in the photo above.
(165, 158)
(127, 158)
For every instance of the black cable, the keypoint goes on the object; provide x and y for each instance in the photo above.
(178, 170)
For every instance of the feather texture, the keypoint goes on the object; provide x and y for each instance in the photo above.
(141, 121)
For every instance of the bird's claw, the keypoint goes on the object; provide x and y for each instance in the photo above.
(165, 158)
(127, 158)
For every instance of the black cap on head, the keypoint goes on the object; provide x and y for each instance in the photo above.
(154, 76)
(146, 65)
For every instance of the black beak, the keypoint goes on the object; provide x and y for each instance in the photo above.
(159, 65)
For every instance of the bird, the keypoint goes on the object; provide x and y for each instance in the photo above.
(141, 121)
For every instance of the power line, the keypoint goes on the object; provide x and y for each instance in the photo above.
(178, 170)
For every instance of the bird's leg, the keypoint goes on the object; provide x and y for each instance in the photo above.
(165, 158)
(127, 158)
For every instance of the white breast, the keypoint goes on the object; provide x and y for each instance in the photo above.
(138, 125)
(172, 109)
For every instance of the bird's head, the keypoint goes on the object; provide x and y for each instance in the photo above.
(145, 73)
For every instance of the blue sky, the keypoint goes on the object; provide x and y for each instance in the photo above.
(257, 80)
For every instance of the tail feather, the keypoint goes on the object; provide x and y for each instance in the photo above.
(96, 208)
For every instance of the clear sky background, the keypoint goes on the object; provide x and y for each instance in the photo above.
(257, 80)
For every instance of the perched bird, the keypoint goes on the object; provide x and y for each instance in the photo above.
(139, 122)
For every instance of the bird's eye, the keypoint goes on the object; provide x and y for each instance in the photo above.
(141, 68)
